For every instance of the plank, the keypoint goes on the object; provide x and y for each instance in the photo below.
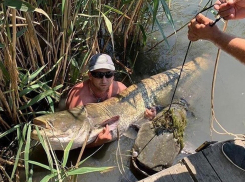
(226, 171)
(200, 169)
(175, 173)
(180, 173)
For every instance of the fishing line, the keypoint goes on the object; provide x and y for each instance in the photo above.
(179, 76)
(212, 24)
(189, 45)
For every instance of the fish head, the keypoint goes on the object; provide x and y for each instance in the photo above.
(62, 127)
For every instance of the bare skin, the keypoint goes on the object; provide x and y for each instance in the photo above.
(96, 90)
(231, 9)
(91, 91)
(199, 28)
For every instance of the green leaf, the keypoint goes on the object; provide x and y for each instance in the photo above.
(27, 149)
(41, 165)
(168, 14)
(2, 45)
(10, 130)
(84, 170)
(32, 88)
(155, 9)
(48, 177)
(21, 141)
(37, 113)
(66, 153)
(21, 32)
(40, 97)
(35, 73)
(113, 9)
(51, 103)
(43, 75)
(159, 26)
(19, 5)
(24, 79)
(63, 6)
(109, 28)
(89, 156)
(45, 147)
(143, 33)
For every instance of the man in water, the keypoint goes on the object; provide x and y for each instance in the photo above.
(99, 87)
(199, 28)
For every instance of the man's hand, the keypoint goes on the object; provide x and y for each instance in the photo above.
(103, 137)
(150, 113)
(231, 9)
(199, 28)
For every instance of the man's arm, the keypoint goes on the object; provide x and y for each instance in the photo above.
(231, 9)
(199, 28)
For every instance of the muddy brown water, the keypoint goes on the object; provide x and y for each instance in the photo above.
(229, 97)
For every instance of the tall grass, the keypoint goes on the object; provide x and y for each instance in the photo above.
(45, 46)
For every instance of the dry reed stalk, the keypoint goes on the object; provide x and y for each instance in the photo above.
(130, 25)
(31, 51)
(33, 37)
(13, 69)
(65, 23)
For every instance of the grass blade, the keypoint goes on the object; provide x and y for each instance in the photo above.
(84, 170)
(27, 149)
(20, 136)
(45, 147)
(32, 88)
(66, 153)
(10, 130)
(42, 165)
(40, 97)
(109, 28)
(159, 26)
(168, 14)
(155, 9)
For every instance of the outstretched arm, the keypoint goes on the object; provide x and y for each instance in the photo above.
(199, 28)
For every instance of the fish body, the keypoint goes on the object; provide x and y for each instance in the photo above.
(118, 112)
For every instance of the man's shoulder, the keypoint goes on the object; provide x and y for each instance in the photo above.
(79, 87)
(119, 85)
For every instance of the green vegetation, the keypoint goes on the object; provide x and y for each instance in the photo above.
(173, 120)
(45, 46)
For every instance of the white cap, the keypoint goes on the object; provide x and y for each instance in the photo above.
(101, 61)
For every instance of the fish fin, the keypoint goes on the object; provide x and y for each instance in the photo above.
(111, 122)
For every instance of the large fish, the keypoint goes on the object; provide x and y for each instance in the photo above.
(118, 112)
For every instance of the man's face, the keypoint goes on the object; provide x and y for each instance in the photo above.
(101, 78)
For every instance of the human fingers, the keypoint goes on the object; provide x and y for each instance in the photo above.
(191, 30)
(105, 134)
(201, 19)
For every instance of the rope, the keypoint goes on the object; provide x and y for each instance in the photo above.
(213, 117)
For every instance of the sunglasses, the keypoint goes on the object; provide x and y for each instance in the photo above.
(108, 74)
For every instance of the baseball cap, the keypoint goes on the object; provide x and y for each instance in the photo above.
(101, 61)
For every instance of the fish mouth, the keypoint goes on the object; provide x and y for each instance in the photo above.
(47, 133)
(41, 123)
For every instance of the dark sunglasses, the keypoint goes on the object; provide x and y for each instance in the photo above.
(108, 74)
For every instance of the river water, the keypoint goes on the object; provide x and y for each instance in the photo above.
(229, 97)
